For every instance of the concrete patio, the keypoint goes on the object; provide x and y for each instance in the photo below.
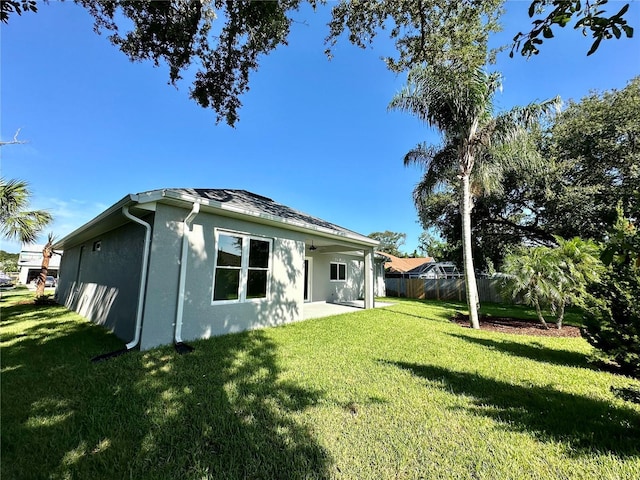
(325, 309)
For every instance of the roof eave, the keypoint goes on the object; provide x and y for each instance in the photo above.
(69, 240)
(171, 196)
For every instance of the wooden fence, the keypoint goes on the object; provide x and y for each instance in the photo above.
(442, 289)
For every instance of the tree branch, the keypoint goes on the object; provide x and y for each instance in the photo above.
(14, 141)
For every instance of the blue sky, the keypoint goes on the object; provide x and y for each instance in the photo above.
(313, 134)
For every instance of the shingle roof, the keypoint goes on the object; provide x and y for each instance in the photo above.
(249, 201)
(226, 202)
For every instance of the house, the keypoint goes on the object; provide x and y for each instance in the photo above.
(439, 270)
(179, 264)
(30, 263)
(398, 267)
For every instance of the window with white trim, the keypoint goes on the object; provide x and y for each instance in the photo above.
(243, 267)
(337, 272)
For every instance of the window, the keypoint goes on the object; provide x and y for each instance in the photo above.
(242, 268)
(338, 272)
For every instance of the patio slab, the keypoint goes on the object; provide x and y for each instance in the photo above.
(326, 309)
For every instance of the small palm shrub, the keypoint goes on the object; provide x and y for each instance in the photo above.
(527, 278)
(552, 277)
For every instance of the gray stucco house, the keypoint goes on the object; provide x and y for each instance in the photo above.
(173, 265)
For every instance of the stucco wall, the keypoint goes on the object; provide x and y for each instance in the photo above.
(336, 291)
(102, 285)
(201, 318)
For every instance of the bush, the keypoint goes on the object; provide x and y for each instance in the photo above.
(612, 317)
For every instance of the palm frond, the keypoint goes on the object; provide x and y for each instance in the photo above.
(25, 226)
(16, 222)
(14, 196)
(439, 168)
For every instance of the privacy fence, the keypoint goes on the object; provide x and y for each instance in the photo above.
(442, 289)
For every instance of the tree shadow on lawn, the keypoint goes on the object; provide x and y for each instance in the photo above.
(444, 316)
(219, 412)
(538, 352)
(589, 426)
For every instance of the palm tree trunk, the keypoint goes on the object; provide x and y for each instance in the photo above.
(539, 312)
(47, 253)
(560, 316)
(467, 254)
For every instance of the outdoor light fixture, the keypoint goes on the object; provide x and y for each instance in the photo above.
(312, 247)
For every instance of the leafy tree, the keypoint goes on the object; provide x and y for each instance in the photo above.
(459, 103)
(425, 31)
(390, 242)
(589, 14)
(221, 40)
(8, 261)
(224, 40)
(16, 221)
(612, 319)
(498, 222)
(8, 7)
(595, 143)
(432, 246)
(592, 161)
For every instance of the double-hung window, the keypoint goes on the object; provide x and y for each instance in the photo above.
(338, 272)
(243, 267)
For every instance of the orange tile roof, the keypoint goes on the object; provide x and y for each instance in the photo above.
(403, 265)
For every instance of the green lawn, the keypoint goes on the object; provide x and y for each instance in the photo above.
(399, 392)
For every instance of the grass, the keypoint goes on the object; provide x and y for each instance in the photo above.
(399, 392)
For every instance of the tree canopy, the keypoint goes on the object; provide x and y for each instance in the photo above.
(590, 18)
(223, 41)
(592, 164)
(390, 242)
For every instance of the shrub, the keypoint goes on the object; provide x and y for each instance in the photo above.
(612, 317)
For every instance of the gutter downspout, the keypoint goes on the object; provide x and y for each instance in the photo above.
(186, 228)
(143, 275)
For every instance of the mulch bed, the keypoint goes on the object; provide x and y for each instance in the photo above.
(517, 326)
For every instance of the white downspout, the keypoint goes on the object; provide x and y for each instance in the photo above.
(186, 228)
(143, 276)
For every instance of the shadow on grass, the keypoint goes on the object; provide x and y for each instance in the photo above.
(589, 426)
(443, 316)
(219, 412)
(538, 353)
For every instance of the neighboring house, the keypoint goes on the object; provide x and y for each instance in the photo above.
(30, 263)
(440, 270)
(399, 267)
(180, 264)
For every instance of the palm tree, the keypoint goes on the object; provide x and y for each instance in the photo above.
(459, 103)
(532, 276)
(16, 221)
(578, 266)
(47, 253)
